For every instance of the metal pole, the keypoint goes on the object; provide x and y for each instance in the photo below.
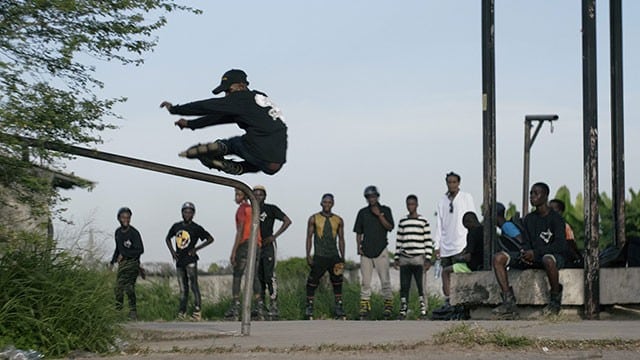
(617, 123)
(489, 129)
(590, 154)
(525, 170)
(171, 170)
(528, 143)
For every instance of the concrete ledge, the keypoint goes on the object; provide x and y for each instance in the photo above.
(531, 287)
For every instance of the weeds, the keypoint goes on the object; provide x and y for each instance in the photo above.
(54, 304)
(467, 336)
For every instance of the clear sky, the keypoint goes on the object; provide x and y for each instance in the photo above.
(374, 92)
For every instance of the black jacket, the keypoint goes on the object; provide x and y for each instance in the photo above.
(253, 111)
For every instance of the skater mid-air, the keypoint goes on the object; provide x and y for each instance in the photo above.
(264, 145)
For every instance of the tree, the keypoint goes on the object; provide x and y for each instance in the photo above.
(47, 83)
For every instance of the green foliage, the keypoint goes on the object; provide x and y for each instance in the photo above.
(52, 303)
(48, 89)
(574, 215)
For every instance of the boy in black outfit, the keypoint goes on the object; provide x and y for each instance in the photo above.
(544, 247)
(186, 234)
(127, 254)
(264, 145)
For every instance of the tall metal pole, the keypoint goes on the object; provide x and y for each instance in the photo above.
(590, 154)
(489, 129)
(617, 123)
(172, 170)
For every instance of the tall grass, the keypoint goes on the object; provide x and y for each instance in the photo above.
(52, 303)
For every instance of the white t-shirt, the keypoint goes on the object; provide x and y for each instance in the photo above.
(450, 236)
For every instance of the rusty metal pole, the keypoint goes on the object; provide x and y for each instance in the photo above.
(171, 170)
(489, 130)
(590, 154)
(617, 123)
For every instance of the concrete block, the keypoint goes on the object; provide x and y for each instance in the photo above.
(620, 285)
(531, 287)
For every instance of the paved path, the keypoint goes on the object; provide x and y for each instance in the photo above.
(390, 340)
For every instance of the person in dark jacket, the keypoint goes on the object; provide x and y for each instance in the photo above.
(264, 145)
(544, 247)
(127, 254)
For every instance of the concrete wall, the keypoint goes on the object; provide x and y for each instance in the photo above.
(531, 287)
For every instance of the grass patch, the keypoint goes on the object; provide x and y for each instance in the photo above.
(467, 335)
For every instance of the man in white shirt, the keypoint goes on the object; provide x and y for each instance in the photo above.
(450, 237)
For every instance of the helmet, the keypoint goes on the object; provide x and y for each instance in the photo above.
(123, 210)
(188, 205)
(261, 188)
(371, 190)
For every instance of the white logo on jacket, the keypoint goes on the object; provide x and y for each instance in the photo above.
(265, 102)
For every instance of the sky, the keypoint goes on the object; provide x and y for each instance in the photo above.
(381, 93)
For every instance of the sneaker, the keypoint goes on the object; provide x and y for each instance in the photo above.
(196, 316)
(182, 316)
(508, 308)
(213, 149)
(338, 311)
(365, 309)
(388, 309)
(555, 304)
(228, 166)
(308, 311)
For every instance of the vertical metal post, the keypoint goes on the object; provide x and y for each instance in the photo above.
(617, 123)
(590, 154)
(525, 170)
(528, 143)
(251, 266)
(488, 129)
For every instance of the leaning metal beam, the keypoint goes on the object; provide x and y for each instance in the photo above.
(175, 171)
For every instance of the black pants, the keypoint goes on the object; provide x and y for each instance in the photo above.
(242, 256)
(126, 282)
(188, 276)
(320, 266)
(266, 274)
(406, 273)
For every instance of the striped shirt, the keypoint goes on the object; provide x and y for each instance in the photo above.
(413, 238)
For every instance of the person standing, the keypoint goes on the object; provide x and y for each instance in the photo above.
(324, 228)
(373, 222)
(127, 254)
(544, 247)
(413, 255)
(450, 237)
(269, 213)
(264, 145)
(240, 253)
(186, 234)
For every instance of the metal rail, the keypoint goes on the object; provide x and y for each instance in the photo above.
(175, 171)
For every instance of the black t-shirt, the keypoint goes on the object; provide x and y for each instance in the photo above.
(186, 235)
(475, 247)
(128, 244)
(268, 215)
(545, 234)
(253, 111)
(374, 239)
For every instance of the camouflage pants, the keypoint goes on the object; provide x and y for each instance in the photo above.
(126, 283)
